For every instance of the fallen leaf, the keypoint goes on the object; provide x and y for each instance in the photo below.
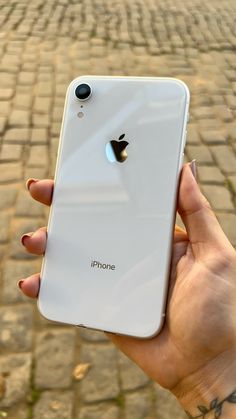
(55, 405)
(80, 371)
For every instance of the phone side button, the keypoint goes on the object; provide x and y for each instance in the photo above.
(181, 161)
(185, 137)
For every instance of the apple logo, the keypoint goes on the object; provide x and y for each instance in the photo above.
(116, 150)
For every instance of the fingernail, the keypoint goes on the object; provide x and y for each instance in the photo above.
(24, 237)
(20, 283)
(193, 168)
(30, 181)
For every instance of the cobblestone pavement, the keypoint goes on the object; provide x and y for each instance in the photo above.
(43, 45)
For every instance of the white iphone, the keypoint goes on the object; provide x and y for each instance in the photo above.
(111, 222)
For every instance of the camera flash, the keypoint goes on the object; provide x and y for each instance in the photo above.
(80, 114)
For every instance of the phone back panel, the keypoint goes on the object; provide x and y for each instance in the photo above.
(117, 214)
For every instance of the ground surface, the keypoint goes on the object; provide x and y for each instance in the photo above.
(43, 45)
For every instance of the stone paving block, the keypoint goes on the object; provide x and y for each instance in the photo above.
(92, 335)
(10, 67)
(213, 137)
(4, 227)
(101, 381)
(38, 156)
(200, 153)
(231, 131)
(138, 405)
(12, 272)
(193, 137)
(8, 196)
(99, 410)
(26, 77)
(45, 76)
(11, 172)
(132, 377)
(217, 100)
(60, 90)
(18, 228)
(6, 94)
(228, 223)
(219, 197)
(19, 118)
(5, 108)
(225, 158)
(10, 152)
(17, 135)
(234, 87)
(15, 370)
(232, 180)
(57, 114)
(230, 74)
(167, 407)
(36, 173)
(54, 358)
(210, 174)
(55, 129)
(203, 113)
(16, 328)
(3, 121)
(26, 207)
(8, 80)
(209, 124)
(231, 101)
(224, 113)
(39, 136)
(19, 411)
(24, 89)
(42, 105)
(54, 405)
(40, 120)
(23, 101)
(44, 88)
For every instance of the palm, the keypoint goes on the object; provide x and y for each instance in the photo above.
(185, 342)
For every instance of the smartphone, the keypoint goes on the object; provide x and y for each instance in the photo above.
(110, 231)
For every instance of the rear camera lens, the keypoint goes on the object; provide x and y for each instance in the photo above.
(83, 91)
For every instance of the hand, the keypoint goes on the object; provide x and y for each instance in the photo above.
(198, 340)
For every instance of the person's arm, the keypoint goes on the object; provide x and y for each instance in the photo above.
(210, 392)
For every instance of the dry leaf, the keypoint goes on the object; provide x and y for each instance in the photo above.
(80, 371)
(55, 405)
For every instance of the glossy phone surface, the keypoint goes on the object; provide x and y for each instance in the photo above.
(111, 221)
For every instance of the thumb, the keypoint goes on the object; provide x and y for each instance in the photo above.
(203, 229)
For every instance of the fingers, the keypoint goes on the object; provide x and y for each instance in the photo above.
(30, 286)
(35, 242)
(203, 229)
(41, 190)
(180, 234)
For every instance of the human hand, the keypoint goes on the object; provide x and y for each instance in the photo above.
(194, 356)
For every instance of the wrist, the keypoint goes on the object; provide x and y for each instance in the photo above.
(211, 390)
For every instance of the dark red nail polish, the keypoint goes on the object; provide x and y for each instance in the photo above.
(193, 168)
(30, 181)
(20, 283)
(24, 237)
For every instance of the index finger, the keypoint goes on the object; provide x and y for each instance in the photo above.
(41, 190)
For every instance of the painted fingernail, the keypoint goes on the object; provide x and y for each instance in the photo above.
(193, 168)
(23, 238)
(30, 181)
(20, 283)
